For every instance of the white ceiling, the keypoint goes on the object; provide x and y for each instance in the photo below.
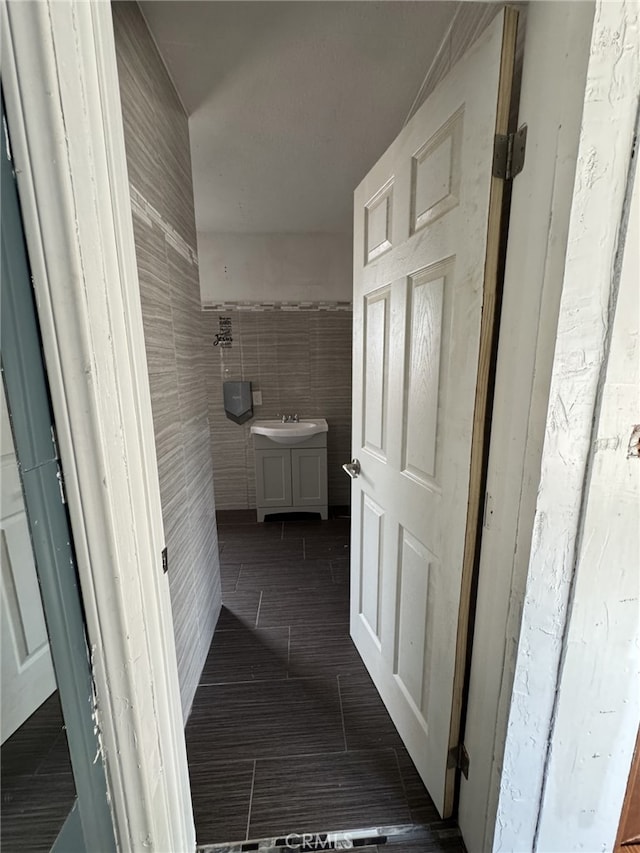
(291, 103)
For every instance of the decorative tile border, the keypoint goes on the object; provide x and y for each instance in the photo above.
(277, 306)
(141, 207)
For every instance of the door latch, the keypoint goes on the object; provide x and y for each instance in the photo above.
(352, 468)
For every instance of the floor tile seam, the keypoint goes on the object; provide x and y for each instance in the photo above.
(279, 589)
(55, 774)
(235, 587)
(332, 753)
(224, 630)
(267, 680)
(287, 757)
(323, 678)
(307, 624)
(49, 751)
(403, 783)
(329, 673)
(253, 782)
(344, 729)
(286, 561)
(258, 610)
(219, 764)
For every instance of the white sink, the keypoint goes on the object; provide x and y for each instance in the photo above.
(290, 433)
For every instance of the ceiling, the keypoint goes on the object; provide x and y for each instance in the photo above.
(291, 103)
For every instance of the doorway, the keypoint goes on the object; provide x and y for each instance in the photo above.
(425, 304)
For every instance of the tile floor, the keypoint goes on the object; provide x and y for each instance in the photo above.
(37, 782)
(287, 733)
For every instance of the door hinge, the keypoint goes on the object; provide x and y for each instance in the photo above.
(459, 758)
(508, 153)
(54, 441)
(7, 143)
(165, 561)
(63, 493)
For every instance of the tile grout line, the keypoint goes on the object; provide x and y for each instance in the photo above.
(344, 730)
(259, 606)
(288, 651)
(55, 740)
(253, 782)
(403, 783)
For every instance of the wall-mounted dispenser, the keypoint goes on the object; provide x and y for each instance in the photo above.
(238, 405)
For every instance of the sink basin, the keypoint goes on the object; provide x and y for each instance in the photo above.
(290, 433)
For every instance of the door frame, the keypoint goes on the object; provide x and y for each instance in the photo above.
(63, 106)
(496, 248)
(562, 260)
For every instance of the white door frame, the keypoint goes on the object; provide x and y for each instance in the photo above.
(554, 690)
(562, 244)
(62, 100)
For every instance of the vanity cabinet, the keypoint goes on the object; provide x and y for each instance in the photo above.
(291, 479)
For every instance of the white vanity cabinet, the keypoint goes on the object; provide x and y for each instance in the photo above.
(291, 478)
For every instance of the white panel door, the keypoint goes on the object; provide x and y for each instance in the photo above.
(27, 671)
(421, 234)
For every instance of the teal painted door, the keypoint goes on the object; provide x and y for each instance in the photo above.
(88, 826)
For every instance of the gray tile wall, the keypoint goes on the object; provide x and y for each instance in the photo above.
(301, 361)
(159, 164)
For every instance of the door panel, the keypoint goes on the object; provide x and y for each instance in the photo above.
(422, 217)
(376, 382)
(372, 520)
(27, 670)
(411, 647)
(422, 370)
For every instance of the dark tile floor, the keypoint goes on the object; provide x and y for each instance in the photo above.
(37, 782)
(287, 732)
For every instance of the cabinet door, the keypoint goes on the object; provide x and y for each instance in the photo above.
(309, 476)
(273, 477)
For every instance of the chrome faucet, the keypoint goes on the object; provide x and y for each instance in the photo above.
(290, 419)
